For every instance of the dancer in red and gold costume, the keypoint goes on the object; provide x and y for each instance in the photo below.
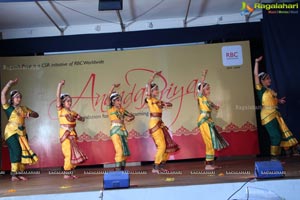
(67, 134)
(159, 132)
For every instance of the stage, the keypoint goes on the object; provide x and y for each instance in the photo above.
(187, 178)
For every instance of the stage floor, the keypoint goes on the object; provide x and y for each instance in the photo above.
(187, 172)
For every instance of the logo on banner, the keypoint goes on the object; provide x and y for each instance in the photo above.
(232, 55)
(246, 9)
(271, 8)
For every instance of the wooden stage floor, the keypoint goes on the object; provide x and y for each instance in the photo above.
(187, 172)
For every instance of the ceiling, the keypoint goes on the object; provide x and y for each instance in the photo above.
(20, 19)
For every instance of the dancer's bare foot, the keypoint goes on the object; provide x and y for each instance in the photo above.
(212, 167)
(209, 167)
(74, 177)
(15, 178)
(68, 177)
(160, 171)
(22, 178)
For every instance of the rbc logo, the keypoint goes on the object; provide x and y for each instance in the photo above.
(233, 54)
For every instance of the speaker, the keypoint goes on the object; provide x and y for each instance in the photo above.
(116, 179)
(110, 5)
(268, 169)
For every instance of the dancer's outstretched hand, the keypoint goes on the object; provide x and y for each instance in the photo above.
(259, 59)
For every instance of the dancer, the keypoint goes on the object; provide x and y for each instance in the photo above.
(280, 135)
(15, 133)
(212, 139)
(68, 136)
(157, 129)
(118, 133)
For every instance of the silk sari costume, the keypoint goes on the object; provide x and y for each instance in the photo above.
(119, 134)
(68, 139)
(15, 136)
(159, 132)
(212, 139)
(280, 135)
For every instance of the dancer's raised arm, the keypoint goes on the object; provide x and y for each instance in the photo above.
(6, 88)
(58, 93)
(204, 73)
(107, 100)
(256, 69)
(150, 81)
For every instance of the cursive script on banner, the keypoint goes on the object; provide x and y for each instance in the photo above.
(135, 96)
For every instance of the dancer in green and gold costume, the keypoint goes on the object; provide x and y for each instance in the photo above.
(118, 133)
(280, 135)
(212, 139)
(15, 133)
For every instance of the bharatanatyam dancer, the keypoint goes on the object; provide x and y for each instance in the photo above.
(212, 139)
(280, 135)
(67, 134)
(118, 133)
(157, 129)
(15, 133)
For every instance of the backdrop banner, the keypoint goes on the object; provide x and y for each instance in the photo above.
(89, 76)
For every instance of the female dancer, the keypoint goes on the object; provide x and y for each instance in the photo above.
(15, 133)
(212, 139)
(279, 133)
(68, 136)
(157, 129)
(118, 133)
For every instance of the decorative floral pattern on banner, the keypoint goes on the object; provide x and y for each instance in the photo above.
(182, 131)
